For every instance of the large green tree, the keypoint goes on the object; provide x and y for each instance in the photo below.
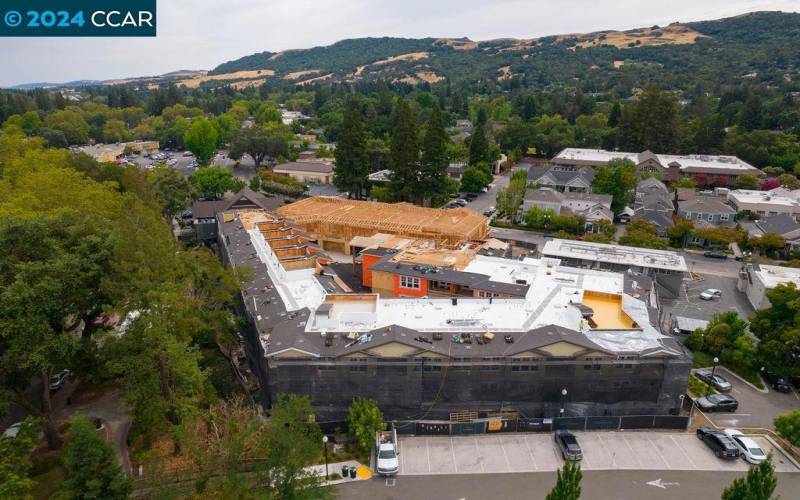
(92, 467)
(651, 123)
(788, 426)
(642, 234)
(172, 190)
(404, 182)
(479, 145)
(201, 139)
(15, 461)
(212, 182)
(364, 419)
(260, 143)
(617, 178)
(352, 165)
(433, 162)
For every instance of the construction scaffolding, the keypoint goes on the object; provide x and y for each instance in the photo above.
(337, 221)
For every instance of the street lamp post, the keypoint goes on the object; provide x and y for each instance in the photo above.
(325, 448)
(713, 371)
(563, 400)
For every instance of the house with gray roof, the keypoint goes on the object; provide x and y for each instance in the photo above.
(709, 209)
(564, 179)
(784, 225)
(592, 207)
(204, 212)
(653, 203)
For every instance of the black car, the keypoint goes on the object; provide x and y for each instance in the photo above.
(715, 255)
(717, 402)
(778, 382)
(568, 445)
(720, 444)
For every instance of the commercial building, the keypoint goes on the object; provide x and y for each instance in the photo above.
(755, 280)
(763, 202)
(586, 331)
(307, 172)
(113, 152)
(334, 222)
(711, 169)
(666, 267)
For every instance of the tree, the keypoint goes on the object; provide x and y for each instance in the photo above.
(679, 232)
(789, 181)
(404, 180)
(642, 234)
(201, 139)
(92, 467)
(255, 184)
(71, 123)
(352, 166)
(212, 182)
(260, 143)
(554, 133)
(115, 131)
(568, 483)
(172, 190)
(15, 461)
(479, 145)
(751, 116)
(617, 178)
(364, 419)
(778, 328)
(769, 242)
(684, 182)
(475, 178)
(651, 123)
(788, 426)
(433, 162)
(758, 484)
(746, 181)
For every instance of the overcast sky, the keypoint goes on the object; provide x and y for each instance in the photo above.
(199, 34)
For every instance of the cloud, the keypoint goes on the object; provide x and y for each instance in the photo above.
(200, 34)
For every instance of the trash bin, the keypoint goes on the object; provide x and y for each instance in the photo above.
(352, 472)
(345, 471)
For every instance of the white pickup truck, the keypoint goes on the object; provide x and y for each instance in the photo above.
(387, 463)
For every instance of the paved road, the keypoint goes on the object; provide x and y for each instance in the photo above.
(756, 409)
(601, 485)
(488, 199)
(690, 305)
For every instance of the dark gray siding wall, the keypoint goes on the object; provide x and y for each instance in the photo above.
(413, 390)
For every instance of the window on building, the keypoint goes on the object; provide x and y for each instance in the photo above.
(724, 217)
(699, 216)
(409, 282)
(710, 218)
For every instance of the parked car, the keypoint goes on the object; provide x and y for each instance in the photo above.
(778, 382)
(57, 381)
(748, 449)
(717, 381)
(460, 202)
(720, 444)
(710, 294)
(715, 255)
(188, 153)
(489, 212)
(568, 445)
(717, 402)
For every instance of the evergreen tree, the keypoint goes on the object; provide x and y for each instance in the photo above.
(479, 146)
(651, 123)
(352, 167)
(613, 117)
(433, 163)
(404, 182)
(751, 116)
(758, 484)
(568, 484)
(92, 468)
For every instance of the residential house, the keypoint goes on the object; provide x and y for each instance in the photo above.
(783, 225)
(456, 170)
(653, 203)
(706, 211)
(593, 207)
(564, 179)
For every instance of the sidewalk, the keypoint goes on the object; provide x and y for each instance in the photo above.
(362, 472)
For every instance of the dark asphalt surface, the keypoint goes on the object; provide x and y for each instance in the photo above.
(606, 485)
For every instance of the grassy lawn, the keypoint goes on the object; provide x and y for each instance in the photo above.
(698, 388)
(705, 360)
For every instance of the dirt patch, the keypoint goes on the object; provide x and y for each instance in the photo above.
(422, 76)
(457, 44)
(676, 34)
(310, 80)
(297, 74)
(195, 82)
(505, 73)
(411, 56)
(248, 83)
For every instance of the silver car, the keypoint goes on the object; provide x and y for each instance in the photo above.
(748, 448)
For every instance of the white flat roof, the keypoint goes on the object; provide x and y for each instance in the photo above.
(553, 291)
(615, 254)
(761, 197)
(685, 161)
(773, 276)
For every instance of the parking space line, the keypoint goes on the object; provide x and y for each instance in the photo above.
(428, 452)
(453, 452)
(402, 454)
(605, 449)
(688, 457)
(530, 452)
(508, 464)
(478, 448)
(633, 453)
(658, 452)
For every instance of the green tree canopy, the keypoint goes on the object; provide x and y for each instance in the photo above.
(201, 139)
(568, 483)
(260, 143)
(212, 182)
(433, 162)
(92, 467)
(15, 461)
(642, 234)
(352, 164)
(617, 178)
(758, 484)
(788, 426)
(364, 419)
(404, 160)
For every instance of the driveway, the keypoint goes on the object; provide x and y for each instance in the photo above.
(488, 199)
(756, 409)
(690, 305)
(697, 263)
(500, 453)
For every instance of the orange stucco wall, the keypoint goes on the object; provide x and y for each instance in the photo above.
(366, 273)
(409, 292)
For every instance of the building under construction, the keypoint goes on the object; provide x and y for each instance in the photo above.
(334, 222)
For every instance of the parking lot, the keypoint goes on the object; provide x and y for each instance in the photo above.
(499, 453)
(690, 305)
